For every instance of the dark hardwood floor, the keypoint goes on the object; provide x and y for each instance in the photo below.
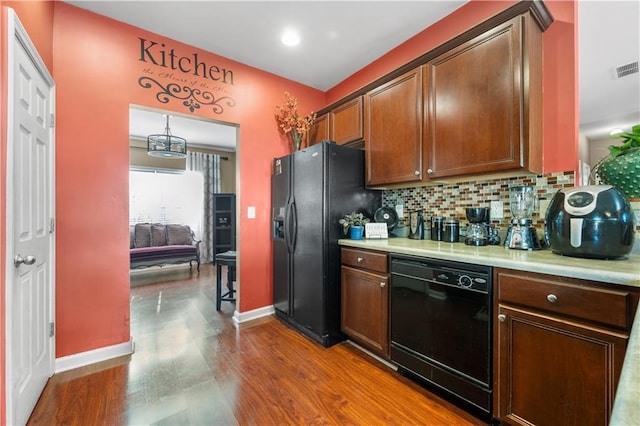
(193, 366)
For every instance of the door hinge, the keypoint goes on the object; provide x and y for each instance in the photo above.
(52, 120)
(52, 329)
(52, 225)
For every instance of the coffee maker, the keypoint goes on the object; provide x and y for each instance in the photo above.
(522, 234)
(477, 231)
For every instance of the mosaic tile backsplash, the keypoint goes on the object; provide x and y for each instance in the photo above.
(451, 200)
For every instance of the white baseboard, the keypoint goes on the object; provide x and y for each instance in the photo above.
(239, 318)
(96, 355)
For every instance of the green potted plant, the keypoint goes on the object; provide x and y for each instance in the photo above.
(629, 141)
(621, 168)
(353, 224)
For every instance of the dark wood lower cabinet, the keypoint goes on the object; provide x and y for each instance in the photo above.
(559, 348)
(365, 312)
(555, 372)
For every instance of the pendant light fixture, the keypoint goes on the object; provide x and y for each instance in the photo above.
(166, 145)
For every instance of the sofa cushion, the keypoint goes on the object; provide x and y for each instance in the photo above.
(143, 235)
(158, 235)
(179, 235)
(163, 252)
(132, 236)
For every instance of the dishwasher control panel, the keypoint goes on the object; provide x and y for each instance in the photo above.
(464, 279)
(457, 274)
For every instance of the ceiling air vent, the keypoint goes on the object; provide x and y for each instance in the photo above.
(627, 69)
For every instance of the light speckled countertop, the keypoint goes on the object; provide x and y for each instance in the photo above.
(620, 271)
(626, 409)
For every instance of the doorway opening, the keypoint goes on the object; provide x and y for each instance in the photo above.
(180, 191)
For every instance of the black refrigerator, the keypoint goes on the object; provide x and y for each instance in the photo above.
(311, 190)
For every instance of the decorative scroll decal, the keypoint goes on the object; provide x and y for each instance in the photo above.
(188, 78)
(193, 98)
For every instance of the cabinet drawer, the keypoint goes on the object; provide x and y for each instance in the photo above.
(611, 307)
(365, 259)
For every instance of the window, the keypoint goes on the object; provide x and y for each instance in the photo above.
(166, 197)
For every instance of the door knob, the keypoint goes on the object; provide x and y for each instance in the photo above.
(502, 317)
(382, 284)
(19, 260)
(552, 298)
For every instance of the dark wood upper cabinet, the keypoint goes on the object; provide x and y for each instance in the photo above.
(319, 131)
(342, 124)
(393, 130)
(468, 107)
(484, 103)
(345, 123)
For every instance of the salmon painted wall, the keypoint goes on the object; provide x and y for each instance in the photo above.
(560, 71)
(37, 19)
(98, 63)
(561, 89)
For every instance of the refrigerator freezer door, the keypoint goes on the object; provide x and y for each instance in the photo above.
(309, 254)
(280, 196)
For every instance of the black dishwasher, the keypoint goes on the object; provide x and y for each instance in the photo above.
(441, 325)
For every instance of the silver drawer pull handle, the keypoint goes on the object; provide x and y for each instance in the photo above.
(382, 284)
(502, 317)
(360, 259)
(552, 298)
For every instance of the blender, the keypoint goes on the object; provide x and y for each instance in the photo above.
(522, 234)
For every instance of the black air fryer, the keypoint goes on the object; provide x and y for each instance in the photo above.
(590, 221)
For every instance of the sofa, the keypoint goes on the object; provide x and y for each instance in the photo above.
(156, 244)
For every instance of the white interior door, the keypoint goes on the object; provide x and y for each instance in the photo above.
(30, 240)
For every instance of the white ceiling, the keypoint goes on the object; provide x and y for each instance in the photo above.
(197, 131)
(609, 36)
(341, 37)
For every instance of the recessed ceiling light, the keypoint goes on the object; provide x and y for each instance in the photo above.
(290, 38)
(616, 132)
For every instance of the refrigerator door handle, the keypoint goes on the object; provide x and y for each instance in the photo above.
(287, 226)
(294, 233)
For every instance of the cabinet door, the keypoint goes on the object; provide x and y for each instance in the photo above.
(346, 122)
(393, 131)
(554, 372)
(320, 130)
(475, 97)
(365, 309)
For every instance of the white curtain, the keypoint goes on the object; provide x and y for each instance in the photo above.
(209, 166)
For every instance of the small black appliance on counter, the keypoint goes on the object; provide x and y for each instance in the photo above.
(593, 221)
(416, 225)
